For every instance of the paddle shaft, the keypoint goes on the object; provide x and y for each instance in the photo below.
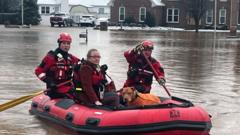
(22, 99)
(155, 73)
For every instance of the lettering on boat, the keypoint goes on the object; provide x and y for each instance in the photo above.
(174, 114)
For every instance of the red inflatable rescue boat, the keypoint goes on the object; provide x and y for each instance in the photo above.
(172, 117)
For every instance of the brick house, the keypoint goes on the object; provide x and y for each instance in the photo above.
(175, 14)
(222, 15)
(171, 13)
(136, 9)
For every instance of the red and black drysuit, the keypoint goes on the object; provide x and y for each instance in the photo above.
(93, 85)
(55, 68)
(140, 74)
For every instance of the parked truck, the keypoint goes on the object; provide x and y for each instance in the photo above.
(61, 19)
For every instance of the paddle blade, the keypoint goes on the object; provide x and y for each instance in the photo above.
(17, 101)
(22, 99)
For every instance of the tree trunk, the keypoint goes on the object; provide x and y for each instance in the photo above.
(234, 17)
(196, 25)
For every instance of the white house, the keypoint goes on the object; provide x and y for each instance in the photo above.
(46, 7)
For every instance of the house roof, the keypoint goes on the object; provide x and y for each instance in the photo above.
(89, 2)
(154, 3)
(46, 2)
(77, 2)
(79, 9)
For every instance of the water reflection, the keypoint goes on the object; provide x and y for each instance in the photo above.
(198, 68)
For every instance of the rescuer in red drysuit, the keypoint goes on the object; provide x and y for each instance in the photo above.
(140, 74)
(57, 67)
(92, 84)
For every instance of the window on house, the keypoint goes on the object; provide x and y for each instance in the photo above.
(121, 14)
(101, 10)
(142, 14)
(45, 10)
(209, 17)
(222, 16)
(172, 15)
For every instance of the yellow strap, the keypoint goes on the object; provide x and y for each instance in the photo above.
(78, 89)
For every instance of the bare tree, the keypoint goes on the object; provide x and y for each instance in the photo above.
(196, 9)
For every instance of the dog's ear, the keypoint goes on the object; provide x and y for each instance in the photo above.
(132, 88)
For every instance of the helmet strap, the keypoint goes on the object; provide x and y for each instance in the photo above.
(59, 42)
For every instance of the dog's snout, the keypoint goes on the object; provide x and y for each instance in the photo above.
(126, 98)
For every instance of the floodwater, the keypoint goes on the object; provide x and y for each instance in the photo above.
(198, 68)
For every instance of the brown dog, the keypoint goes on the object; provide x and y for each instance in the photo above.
(134, 98)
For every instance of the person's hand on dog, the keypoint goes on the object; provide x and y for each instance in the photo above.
(98, 103)
(161, 81)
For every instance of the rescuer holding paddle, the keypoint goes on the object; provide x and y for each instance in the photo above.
(140, 73)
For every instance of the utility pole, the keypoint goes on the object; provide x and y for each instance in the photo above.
(22, 12)
(215, 16)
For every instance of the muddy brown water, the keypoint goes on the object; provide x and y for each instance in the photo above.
(198, 68)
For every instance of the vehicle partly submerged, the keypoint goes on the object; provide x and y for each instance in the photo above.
(173, 116)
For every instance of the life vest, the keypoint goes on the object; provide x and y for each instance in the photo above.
(98, 78)
(62, 68)
(140, 72)
(146, 99)
(57, 69)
